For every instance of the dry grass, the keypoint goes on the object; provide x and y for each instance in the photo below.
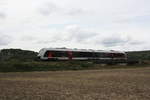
(116, 84)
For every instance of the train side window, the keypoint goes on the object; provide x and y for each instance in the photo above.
(96, 54)
(77, 54)
(103, 55)
(82, 54)
(100, 55)
(87, 54)
(60, 54)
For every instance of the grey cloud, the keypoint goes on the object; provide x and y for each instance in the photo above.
(2, 15)
(47, 41)
(136, 42)
(28, 38)
(71, 33)
(48, 8)
(43, 42)
(115, 41)
(5, 40)
(75, 11)
(135, 19)
(52, 39)
(80, 35)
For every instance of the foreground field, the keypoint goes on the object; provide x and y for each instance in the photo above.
(115, 84)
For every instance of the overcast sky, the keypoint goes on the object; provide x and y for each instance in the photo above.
(87, 24)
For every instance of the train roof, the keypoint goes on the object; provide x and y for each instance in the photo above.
(81, 50)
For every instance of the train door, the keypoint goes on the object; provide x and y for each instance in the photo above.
(70, 55)
(50, 54)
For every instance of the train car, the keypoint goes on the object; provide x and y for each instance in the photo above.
(52, 54)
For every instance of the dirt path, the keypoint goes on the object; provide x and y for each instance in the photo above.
(116, 84)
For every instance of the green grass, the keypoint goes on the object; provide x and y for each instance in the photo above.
(42, 66)
(17, 66)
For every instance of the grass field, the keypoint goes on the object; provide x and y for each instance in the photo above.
(106, 84)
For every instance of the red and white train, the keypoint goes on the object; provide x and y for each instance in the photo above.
(102, 56)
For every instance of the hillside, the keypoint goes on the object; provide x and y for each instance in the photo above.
(17, 60)
(17, 54)
(138, 55)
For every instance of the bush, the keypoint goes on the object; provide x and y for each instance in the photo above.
(17, 66)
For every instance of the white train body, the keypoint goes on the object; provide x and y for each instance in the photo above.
(81, 54)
